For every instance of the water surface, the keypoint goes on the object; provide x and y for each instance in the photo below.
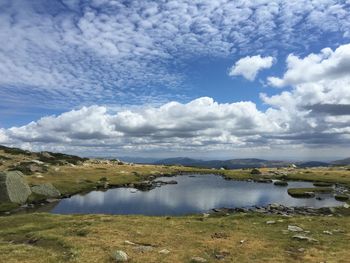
(192, 194)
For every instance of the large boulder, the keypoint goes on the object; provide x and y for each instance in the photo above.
(47, 190)
(13, 187)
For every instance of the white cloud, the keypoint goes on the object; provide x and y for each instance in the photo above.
(98, 49)
(328, 65)
(249, 67)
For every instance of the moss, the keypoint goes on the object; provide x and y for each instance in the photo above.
(36, 198)
(308, 192)
(341, 197)
(8, 206)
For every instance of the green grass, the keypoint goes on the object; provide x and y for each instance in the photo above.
(306, 192)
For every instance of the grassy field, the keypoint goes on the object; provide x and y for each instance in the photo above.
(42, 237)
(235, 238)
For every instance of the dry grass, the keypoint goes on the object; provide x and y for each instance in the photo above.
(93, 238)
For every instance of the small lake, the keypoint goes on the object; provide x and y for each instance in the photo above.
(192, 194)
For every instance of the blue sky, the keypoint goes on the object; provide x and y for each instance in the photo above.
(204, 69)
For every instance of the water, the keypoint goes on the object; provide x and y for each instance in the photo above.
(192, 194)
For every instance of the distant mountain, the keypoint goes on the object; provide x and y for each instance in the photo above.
(130, 159)
(345, 161)
(229, 164)
(312, 164)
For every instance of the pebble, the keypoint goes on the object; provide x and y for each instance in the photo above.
(295, 228)
(327, 232)
(198, 260)
(305, 238)
(120, 256)
(127, 242)
(164, 251)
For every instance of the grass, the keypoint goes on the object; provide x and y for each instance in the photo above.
(307, 192)
(341, 197)
(93, 238)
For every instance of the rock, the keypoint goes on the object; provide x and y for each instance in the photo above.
(143, 248)
(127, 242)
(327, 232)
(281, 183)
(198, 260)
(164, 251)
(46, 189)
(206, 215)
(13, 187)
(295, 229)
(120, 256)
(270, 222)
(305, 238)
(346, 206)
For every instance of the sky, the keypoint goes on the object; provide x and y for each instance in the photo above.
(210, 79)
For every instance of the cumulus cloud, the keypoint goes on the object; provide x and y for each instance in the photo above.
(249, 67)
(200, 122)
(326, 66)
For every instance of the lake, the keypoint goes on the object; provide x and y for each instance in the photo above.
(192, 194)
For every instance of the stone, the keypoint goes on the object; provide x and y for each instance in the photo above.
(305, 238)
(270, 222)
(346, 205)
(198, 260)
(143, 249)
(120, 256)
(46, 189)
(295, 229)
(13, 187)
(127, 242)
(327, 232)
(164, 251)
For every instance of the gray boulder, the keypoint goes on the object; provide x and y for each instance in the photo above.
(13, 187)
(47, 190)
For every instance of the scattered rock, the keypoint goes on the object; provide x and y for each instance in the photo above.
(120, 256)
(46, 189)
(327, 232)
(13, 187)
(295, 228)
(305, 238)
(164, 251)
(198, 260)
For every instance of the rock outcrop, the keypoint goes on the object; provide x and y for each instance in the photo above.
(47, 190)
(13, 187)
